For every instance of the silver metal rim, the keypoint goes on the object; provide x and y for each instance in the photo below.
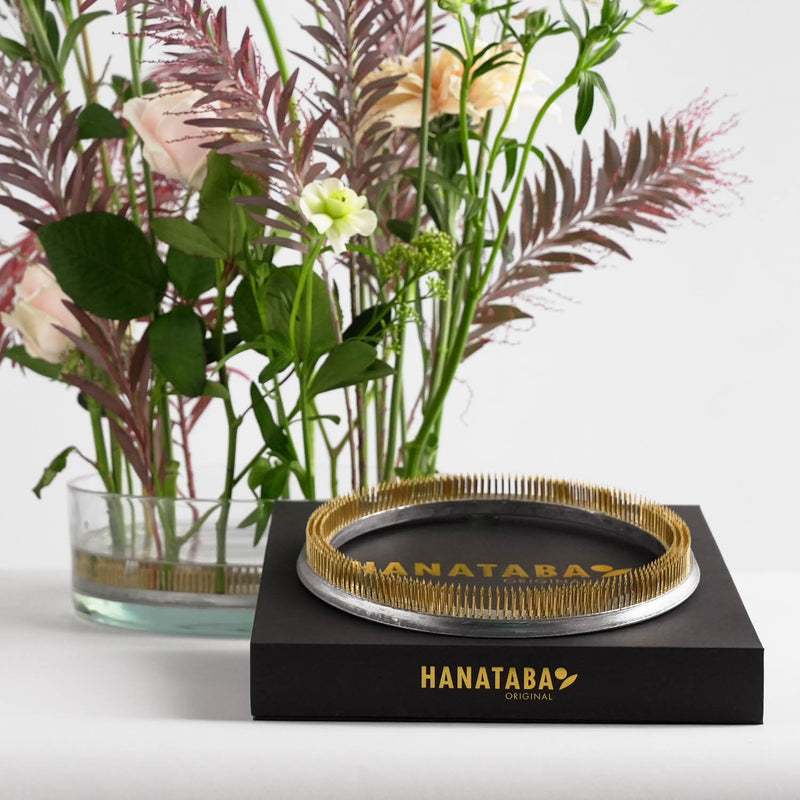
(493, 627)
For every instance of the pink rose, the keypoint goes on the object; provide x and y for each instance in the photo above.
(170, 146)
(39, 307)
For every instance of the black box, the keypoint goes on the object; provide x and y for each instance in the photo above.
(701, 662)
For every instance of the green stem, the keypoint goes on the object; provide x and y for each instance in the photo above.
(134, 53)
(424, 131)
(486, 126)
(477, 282)
(465, 86)
(116, 465)
(116, 523)
(479, 276)
(67, 17)
(301, 361)
(436, 403)
(48, 60)
(233, 423)
(380, 425)
(274, 40)
(333, 455)
(101, 454)
(397, 391)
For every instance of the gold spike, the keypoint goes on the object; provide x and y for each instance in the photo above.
(602, 594)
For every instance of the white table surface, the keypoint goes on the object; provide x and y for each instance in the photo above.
(88, 711)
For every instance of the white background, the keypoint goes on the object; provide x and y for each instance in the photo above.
(673, 376)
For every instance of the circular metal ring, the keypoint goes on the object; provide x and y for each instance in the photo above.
(457, 609)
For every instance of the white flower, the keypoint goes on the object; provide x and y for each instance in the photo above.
(337, 211)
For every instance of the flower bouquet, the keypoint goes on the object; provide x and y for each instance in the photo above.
(317, 251)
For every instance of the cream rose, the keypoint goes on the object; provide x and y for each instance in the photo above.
(38, 308)
(169, 145)
(402, 107)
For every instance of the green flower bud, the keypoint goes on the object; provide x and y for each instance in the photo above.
(659, 6)
(454, 6)
(536, 22)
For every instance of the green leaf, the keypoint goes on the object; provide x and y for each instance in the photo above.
(450, 159)
(96, 122)
(14, 50)
(187, 237)
(270, 480)
(401, 229)
(277, 364)
(454, 183)
(19, 355)
(176, 345)
(245, 312)
(275, 438)
(56, 465)
(214, 389)
(278, 298)
(347, 364)
(124, 91)
(585, 102)
(230, 341)
(370, 325)
(105, 264)
(435, 207)
(377, 370)
(573, 26)
(615, 45)
(53, 34)
(226, 223)
(260, 518)
(600, 84)
(73, 32)
(457, 53)
(190, 275)
(491, 63)
(510, 149)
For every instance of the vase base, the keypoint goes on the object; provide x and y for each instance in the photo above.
(170, 619)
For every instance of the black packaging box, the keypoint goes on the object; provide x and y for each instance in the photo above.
(699, 663)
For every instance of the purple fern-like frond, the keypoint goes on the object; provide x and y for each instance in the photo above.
(37, 157)
(259, 119)
(569, 220)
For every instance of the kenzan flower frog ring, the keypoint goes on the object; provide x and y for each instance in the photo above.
(459, 608)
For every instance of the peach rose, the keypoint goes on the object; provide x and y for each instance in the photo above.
(39, 307)
(169, 145)
(402, 107)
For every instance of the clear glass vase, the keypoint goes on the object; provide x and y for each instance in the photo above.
(165, 564)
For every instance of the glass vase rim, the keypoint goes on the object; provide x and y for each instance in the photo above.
(77, 485)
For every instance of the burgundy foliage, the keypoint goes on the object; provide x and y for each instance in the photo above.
(37, 137)
(265, 133)
(571, 219)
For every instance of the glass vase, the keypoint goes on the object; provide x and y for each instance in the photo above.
(168, 565)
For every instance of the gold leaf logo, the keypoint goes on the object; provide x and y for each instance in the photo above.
(565, 678)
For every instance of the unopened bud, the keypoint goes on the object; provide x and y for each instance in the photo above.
(659, 6)
(536, 22)
(454, 6)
